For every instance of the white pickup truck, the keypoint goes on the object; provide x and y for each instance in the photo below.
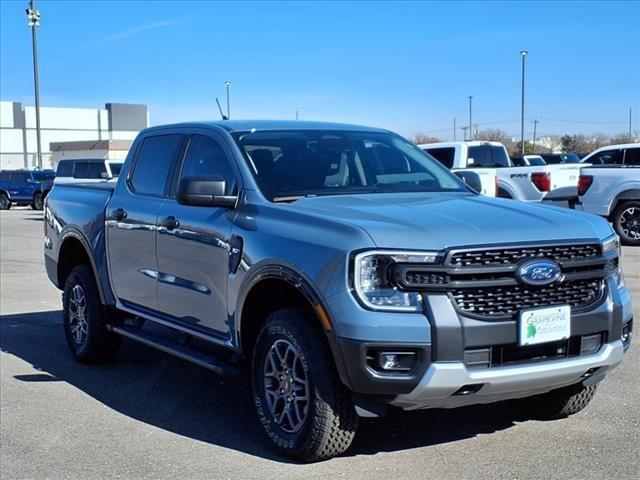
(613, 191)
(528, 184)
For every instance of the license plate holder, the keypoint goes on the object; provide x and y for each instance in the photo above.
(543, 325)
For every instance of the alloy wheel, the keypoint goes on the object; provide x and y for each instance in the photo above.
(630, 222)
(286, 386)
(78, 315)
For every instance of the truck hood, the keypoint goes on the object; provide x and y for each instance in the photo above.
(438, 221)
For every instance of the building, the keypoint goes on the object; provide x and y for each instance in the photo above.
(73, 132)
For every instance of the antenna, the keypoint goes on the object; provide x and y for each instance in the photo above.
(220, 108)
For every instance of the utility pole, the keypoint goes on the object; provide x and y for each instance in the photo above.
(464, 130)
(470, 117)
(476, 130)
(228, 84)
(630, 140)
(523, 53)
(454, 128)
(535, 127)
(33, 15)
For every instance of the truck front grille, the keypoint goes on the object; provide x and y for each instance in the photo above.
(508, 301)
(506, 256)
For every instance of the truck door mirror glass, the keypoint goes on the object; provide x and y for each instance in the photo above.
(205, 192)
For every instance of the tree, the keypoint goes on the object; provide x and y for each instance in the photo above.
(494, 135)
(419, 138)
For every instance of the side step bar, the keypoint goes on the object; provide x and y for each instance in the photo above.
(226, 368)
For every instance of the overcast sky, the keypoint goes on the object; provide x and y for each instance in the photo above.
(406, 66)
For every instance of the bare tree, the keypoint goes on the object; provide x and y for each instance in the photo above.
(419, 138)
(494, 135)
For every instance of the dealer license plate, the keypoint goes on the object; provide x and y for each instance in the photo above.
(544, 325)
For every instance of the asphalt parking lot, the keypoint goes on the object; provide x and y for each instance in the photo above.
(150, 415)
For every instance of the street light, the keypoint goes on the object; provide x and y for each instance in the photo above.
(228, 84)
(33, 15)
(470, 130)
(523, 53)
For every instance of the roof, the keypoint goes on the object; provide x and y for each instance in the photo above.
(90, 145)
(247, 125)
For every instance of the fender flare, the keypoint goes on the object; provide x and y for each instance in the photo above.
(6, 192)
(507, 188)
(280, 271)
(72, 232)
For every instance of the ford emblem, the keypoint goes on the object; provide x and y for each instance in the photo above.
(538, 272)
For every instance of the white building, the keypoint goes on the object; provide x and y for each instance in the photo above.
(59, 126)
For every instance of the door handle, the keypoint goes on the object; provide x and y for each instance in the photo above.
(119, 214)
(170, 222)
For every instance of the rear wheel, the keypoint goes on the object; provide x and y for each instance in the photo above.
(303, 407)
(558, 403)
(5, 203)
(37, 202)
(626, 222)
(85, 319)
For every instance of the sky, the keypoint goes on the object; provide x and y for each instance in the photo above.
(405, 66)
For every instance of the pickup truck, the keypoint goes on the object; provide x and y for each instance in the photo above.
(344, 270)
(24, 187)
(613, 192)
(527, 184)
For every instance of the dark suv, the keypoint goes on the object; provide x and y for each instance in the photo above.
(24, 187)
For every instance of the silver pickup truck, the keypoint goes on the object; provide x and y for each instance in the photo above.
(346, 269)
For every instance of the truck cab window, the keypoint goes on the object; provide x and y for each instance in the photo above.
(153, 163)
(65, 168)
(205, 157)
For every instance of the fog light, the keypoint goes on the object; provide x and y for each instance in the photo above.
(396, 361)
(590, 344)
(626, 334)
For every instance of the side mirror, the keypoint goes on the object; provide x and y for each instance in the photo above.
(472, 180)
(205, 192)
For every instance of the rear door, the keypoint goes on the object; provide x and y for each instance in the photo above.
(194, 242)
(132, 216)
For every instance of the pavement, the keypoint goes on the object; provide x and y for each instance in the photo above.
(152, 416)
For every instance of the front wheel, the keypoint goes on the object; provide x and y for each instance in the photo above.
(303, 407)
(626, 222)
(37, 202)
(5, 203)
(85, 319)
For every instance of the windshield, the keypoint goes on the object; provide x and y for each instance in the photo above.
(570, 158)
(292, 164)
(490, 156)
(43, 176)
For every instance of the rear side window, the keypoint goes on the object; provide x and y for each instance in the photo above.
(19, 177)
(81, 170)
(205, 157)
(5, 176)
(443, 155)
(607, 157)
(96, 170)
(65, 169)
(632, 156)
(487, 156)
(154, 162)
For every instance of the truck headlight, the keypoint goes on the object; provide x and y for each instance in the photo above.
(373, 283)
(612, 244)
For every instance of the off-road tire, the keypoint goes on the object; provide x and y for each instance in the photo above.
(559, 403)
(100, 345)
(5, 203)
(37, 203)
(331, 422)
(616, 219)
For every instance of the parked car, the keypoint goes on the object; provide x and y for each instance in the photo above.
(558, 158)
(626, 154)
(528, 184)
(24, 187)
(347, 269)
(527, 161)
(613, 192)
(87, 170)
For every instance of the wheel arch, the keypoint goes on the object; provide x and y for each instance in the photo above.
(630, 194)
(267, 289)
(74, 250)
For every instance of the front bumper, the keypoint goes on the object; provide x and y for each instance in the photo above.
(438, 386)
(441, 336)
